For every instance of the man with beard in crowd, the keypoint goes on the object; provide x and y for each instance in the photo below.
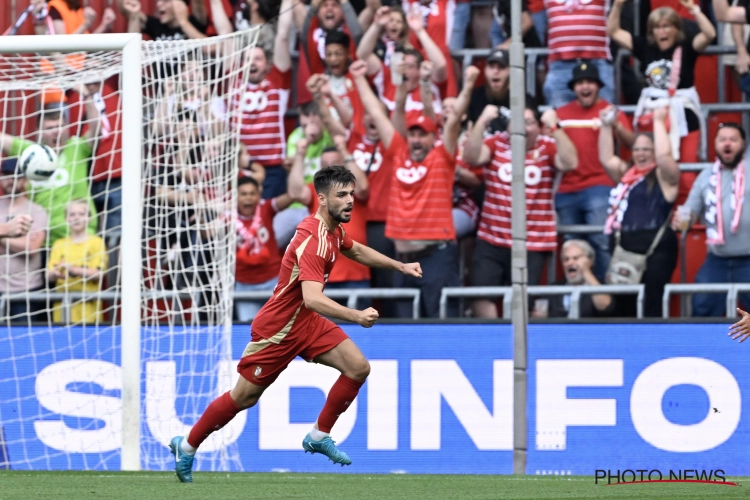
(718, 197)
(261, 105)
(496, 90)
(578, 259)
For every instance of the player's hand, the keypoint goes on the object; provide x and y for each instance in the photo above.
(743, 62)
(358, 68)
(741, 330)
(368, 317)
(19, 226)
(412, 269)
(688, 4)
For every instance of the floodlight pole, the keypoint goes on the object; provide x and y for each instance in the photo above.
(519, 275)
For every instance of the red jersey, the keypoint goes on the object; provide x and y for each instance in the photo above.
(106, 163)
(309, 257)
(577, 30)
(259, 111)
(258, 257)
(536, 6)
(463, 199)
(378, 174)
(387, 93)
(356, 228)
(582, 126)
(495, 221)
(421, 201)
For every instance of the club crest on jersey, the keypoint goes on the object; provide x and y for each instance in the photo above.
(411, 175)
(257, 372)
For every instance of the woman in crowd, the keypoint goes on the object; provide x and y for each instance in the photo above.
(667, 54)
(640, 208)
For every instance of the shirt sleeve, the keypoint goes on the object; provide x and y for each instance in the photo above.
(310, 261)
(639, 47)
(695, 198)
(396, 145)
(346, 241)
(55, 255)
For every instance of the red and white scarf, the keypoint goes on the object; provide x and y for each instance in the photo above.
(618, 200)
(714, 214)
(248, 239)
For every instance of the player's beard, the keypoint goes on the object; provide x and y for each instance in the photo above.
(341, 216)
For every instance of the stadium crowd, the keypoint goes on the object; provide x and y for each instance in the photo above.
(376, 87)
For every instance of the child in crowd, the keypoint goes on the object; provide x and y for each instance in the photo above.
(77, 264)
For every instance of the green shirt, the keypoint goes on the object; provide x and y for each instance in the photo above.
(69, 182)
(312, 157)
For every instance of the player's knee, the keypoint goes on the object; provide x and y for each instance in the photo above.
(246, 401)
(360, 370)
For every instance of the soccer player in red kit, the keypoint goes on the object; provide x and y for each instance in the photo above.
(291, 324)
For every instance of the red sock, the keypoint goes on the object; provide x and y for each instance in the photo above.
(340, 397)
(218, 414)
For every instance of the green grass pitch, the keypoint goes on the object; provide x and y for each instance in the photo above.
(223, 486)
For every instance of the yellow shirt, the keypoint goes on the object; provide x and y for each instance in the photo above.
(90, 254)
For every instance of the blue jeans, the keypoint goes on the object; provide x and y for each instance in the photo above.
(556, 91)
(588, 206)
(540, 25)
(107, 196)
(720, 270)
(461, 18)
(497, 35)
(275, 183)
(247, 309)
(362, 303)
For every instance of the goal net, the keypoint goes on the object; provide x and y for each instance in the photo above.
(69, 393)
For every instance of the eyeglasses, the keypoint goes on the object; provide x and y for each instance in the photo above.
(644, 150)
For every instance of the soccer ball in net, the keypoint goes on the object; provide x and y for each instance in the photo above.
(38, 162)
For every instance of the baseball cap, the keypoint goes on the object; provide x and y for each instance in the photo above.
(499, 56)
(9, 166)
(417, 119)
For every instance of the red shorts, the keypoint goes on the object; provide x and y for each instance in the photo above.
(264, 360)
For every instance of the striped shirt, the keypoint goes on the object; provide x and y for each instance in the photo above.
(259, 114)
(577, 29)
(421, 201)
(495, 221)
(309, 257)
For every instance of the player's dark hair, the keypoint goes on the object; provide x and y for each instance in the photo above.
(310, 108)
(335, 175)
(247, 180)
(337, 37)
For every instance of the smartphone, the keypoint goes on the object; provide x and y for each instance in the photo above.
(396, 77)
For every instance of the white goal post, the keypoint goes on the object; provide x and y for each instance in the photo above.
(132, 147)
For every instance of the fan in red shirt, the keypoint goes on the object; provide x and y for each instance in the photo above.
(324, 17)
(259, 108)
(544, 155)
(411, 59)
(258, 257)
(420, 217)
(583, 194)
(344, 97)
(291, 324)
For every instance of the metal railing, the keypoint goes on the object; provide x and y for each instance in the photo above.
(68, 299)
(731, 289)
(575, 292)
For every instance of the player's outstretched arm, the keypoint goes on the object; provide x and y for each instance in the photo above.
(372, 258)
(741, 330)
(315, 300)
